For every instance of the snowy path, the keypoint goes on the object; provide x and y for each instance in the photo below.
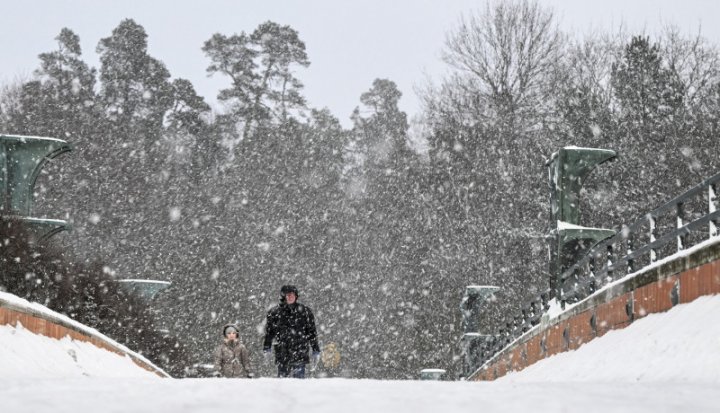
(666, 362)
(339, 395)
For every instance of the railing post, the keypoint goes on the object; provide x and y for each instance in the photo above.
(628, 251)
(591, 270)
(535, 311)
(680, 219)
(545, 300)
(610, 261)
(712, 196)
(653, 237)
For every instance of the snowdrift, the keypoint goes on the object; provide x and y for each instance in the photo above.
(24, 354)
(681, 345)
(36, 342)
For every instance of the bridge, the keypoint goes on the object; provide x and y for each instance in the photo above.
(602, 280)
(664, 362)
(629, 322)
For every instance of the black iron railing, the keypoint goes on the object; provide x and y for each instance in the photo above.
(682, 223)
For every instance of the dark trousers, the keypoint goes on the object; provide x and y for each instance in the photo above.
(296, 371)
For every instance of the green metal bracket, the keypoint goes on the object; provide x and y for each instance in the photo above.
(21, 159)
(575, 241)
(42, 229)
(567, 170)
(432, 374)
(147, 289)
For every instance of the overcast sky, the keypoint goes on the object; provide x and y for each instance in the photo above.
(349, 43)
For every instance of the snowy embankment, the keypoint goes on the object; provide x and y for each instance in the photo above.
(681, 345)
(665, 362)
(26, 354)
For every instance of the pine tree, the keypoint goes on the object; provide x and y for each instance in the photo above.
(135, 88)
(648, 93)
(260, 67)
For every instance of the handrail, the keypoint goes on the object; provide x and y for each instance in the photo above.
(588, 279)
(614, 267)
(617, 265)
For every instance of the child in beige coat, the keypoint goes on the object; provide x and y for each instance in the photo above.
(232, 358)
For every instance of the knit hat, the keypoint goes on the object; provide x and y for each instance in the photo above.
(230, 328)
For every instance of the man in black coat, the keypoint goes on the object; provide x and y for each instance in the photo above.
(291, 327)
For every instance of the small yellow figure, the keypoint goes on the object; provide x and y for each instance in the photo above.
(330, 356)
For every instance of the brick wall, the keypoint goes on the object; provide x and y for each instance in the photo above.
(654, 291)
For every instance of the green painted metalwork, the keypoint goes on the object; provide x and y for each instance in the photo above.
(470, 305)
(146, 289)
(567, 170)
(21, 160)
(574, 243)
(432, 374)
(42, 229)
(473, 348)
(472, 342)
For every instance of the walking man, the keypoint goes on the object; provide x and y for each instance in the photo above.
(290, 327)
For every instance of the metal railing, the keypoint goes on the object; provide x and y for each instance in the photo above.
(675, 226)
(681, 223)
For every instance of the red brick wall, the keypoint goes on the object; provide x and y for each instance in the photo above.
(534, 350)
(573, 332)
(517, 358)
(613, 315)
(653, 298)
(555, 339)
(699, 281)
(580, 330)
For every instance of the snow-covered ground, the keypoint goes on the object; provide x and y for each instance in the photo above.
(26, 355)
(19, 351)
(666, 362)
(679, 346)
(348, 396)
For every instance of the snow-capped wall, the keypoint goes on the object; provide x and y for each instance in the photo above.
(29, 335)
(679, 279)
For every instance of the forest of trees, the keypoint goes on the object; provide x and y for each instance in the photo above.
(380, 238)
